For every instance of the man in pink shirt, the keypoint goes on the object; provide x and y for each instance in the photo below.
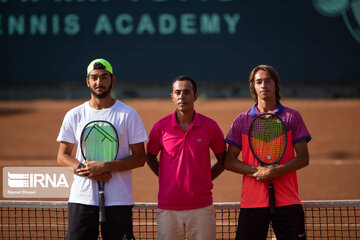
(184, 140)
(255, 217)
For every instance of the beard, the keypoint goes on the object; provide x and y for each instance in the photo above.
(101, 95)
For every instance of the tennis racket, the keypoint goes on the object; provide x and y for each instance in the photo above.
(99, 142)
(268, 142)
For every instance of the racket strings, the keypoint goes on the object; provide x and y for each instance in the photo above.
(268, 138)
(100, 142)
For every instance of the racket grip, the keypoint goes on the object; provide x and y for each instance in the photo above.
(101, 207)
(272, 198)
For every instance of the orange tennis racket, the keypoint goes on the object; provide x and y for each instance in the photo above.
(268, 142)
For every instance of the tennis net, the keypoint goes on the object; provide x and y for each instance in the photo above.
(338, 219)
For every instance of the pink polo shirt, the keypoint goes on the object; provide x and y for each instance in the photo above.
(184, 162)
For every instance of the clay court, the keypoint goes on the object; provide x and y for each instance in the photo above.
(29, 130)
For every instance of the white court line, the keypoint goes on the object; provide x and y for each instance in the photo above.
(52, 162)
(334, 162)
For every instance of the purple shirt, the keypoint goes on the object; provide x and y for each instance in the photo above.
(291, 118)
(255, 193)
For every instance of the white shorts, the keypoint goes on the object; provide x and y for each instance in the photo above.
(198, 224)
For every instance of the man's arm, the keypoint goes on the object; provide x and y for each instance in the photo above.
(232, 163)
(153, 163)
(135, 160)
(64, 157)
(218, 167)
(301, 160)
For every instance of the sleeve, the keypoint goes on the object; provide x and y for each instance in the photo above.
(136, 130)
(67, 132)
(217, 143)
(154, 146)
(299, 130)
(234, 135)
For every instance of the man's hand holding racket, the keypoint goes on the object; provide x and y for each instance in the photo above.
(95, 170)
(265, 173)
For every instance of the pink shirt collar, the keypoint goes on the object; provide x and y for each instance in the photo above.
(195, 122)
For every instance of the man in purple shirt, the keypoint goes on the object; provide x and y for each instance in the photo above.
(184, 140)
(255, 217)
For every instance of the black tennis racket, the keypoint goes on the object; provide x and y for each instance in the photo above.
(268, 142)
(99, 142)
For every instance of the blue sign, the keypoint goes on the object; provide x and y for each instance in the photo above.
(152, 41)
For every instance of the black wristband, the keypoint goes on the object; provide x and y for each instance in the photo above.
(81, 165)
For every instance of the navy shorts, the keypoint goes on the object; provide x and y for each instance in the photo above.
(288, 223)
(83, 222)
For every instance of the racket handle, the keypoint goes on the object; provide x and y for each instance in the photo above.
(272, 198)
(101, 207)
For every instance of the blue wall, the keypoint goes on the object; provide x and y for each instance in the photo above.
(51, 42)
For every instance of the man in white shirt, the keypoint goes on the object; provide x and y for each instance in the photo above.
(83, 211)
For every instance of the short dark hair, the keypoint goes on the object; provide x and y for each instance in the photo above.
(185, 78)
(274, 76)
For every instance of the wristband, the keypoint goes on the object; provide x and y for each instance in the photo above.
(81, 165)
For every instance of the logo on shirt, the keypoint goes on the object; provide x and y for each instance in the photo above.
(199, 140)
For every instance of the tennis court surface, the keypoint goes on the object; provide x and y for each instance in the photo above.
(28, 138)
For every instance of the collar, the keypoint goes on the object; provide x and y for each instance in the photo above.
(254, 111)
(195, 122)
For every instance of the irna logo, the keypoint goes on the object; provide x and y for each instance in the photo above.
(19, 180)
(37, 182)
